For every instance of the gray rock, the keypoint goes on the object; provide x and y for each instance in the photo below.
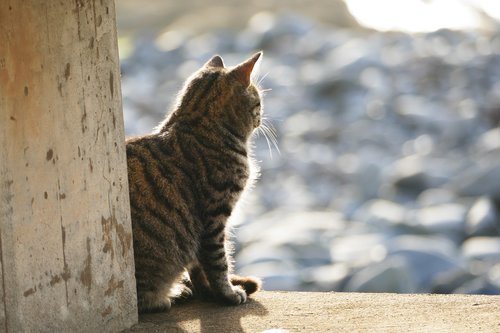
(309, 123)
(489, 141)
(326, 278)
(482, 248)
(301, 237)
(412, 175)
(414, 106)
(426, 256)
(447, 219)
(435, 196)
(479, 180)
(368, 180)
(357, 249)
(483, 218)
(480, 285)
(284, 227)
(439, 244)
(448, 282)
(494, 274)
(380, 211)
(262, 252)
(393, 274)
(337, 90)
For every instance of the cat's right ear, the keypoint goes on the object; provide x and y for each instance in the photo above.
(243, 71)
(216, 62)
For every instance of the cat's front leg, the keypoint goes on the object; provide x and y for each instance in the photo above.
(213, 259)
(199, 283)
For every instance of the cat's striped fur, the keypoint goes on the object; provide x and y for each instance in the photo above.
(185, 179)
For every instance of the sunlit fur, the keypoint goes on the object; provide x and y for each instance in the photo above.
(185, 179)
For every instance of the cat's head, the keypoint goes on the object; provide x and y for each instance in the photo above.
(223, 95)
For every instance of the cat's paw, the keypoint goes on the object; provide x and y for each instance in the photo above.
(186, 293)
(235, 296)
(153, 304)
(183, 295)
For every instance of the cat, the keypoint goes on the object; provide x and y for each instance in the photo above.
(185, 179)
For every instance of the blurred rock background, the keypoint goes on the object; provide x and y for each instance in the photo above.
(388, 175)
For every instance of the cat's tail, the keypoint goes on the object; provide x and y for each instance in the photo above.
(250, 284)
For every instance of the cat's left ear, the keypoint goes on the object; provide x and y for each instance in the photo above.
(215, 61)
(243, 71)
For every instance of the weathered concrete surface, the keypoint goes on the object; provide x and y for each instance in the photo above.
(333, 312)
(65, 238)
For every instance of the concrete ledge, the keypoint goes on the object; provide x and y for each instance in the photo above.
(333, 312)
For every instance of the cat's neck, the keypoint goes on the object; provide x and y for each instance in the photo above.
(221, 132)
(216, 136)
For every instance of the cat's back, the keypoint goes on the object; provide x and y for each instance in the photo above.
(143, 151)
(149, 160)
(150, 148)
(160, 177)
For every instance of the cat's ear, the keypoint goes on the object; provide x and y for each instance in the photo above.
(243, 71)
(215, 61)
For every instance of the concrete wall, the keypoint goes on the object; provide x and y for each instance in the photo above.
(65, 237)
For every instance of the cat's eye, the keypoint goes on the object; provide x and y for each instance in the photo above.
(257, 105)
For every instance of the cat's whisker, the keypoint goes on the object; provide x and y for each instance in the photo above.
(268, 143)
(269, 133)
(270, 126)
(258, 132)
(271, 129)
(274, 141)
(259, 81)
(274, 135)
(264, 92)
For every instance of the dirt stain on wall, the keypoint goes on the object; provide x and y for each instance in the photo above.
(86, 275)
(125, 238)
(113, 285)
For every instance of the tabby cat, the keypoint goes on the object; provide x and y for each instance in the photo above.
(185, 178)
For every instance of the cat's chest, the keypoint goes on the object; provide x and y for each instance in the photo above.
(229, 170)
